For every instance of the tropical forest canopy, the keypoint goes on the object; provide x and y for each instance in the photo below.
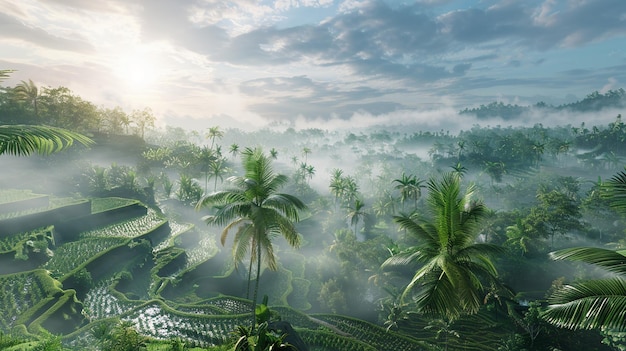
(374, 239)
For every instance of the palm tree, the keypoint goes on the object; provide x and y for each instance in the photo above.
(214, 133)
(410, 187)
(29, 93)
(23, 140)
(206, 157)
(519, 237)
(234, 149)
(274, 153)
(337, 185)
(384, 205)
(305, 152)
(217, 168)
(356, 213)
(125, 121)
(310, 172)
(256, 211)
(449, 281)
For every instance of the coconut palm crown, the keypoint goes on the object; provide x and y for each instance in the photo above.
(451, 265)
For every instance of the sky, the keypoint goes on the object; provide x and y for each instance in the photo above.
(315, 63)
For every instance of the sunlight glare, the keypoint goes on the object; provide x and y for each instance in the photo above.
(137, 71)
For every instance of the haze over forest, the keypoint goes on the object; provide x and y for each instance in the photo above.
(540, 183)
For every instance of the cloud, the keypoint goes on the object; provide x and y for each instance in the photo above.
(96, 6)
(286, 98)
(13, 29)
(544, 27)
(373, 58)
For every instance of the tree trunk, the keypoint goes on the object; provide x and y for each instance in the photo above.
(256, 284)
(249, 278)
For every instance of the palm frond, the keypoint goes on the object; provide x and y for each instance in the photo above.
(287, 204)
(418, 227)
(589, 305)
(482, 249)
(242, 242)
(239, 222)
(433, 298)
(410, 257)
(269, 257)
(23, 140)
(610, 260)
(5, 73)
(615, 191)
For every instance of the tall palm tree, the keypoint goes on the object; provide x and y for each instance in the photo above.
(234, 149)
(410, 187)
(214, 133)
(23, 140)
(217, 168)
(336, 185)
(256, 211)
(356, 213)
(601, 303)
(305, 153)
(451, 265)
(206, 157)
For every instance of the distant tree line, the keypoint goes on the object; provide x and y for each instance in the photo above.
(26, 103)
(592, 102)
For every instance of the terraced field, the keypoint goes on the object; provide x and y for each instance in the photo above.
(137, 245)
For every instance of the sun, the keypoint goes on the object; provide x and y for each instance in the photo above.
(137, 71)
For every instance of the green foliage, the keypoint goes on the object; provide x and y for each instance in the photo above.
(7, 341)
(504, 154)
(262, 312)
(332, 296)
(449, 281)
(22, 140)
(257, 211)
(260, 340)
(124, 337)
(615, 191)
(189, 191)
(591, 304)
